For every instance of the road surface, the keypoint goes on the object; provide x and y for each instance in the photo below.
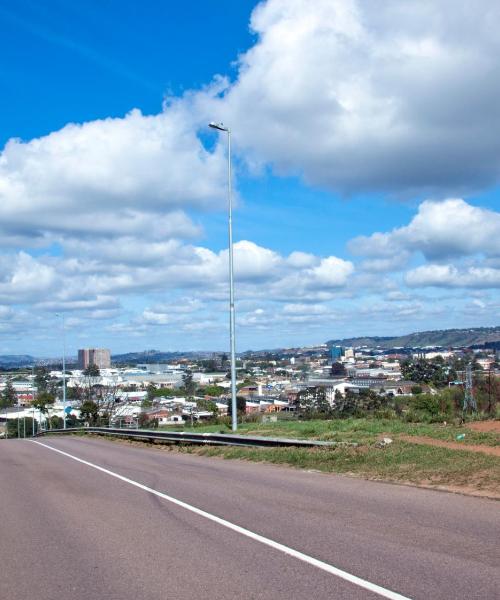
(102, 520)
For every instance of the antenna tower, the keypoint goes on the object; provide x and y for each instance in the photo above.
(469, 400)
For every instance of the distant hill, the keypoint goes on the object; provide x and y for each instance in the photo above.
(13, 361)
(153, 356)
(145, 356)
(475, 337)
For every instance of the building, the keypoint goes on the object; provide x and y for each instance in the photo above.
(100, 357)
(335, 353)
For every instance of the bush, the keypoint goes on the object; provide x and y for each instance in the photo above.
(13, 424)
(386, 413)
(440, 404)
(56, 422)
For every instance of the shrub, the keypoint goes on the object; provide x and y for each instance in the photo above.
(439, 405)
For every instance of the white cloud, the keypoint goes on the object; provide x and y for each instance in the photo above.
(23, 279)
(111, 177)
(359, 95)
(300, 309)
(451, 276)
(450, 228)
(94, 281)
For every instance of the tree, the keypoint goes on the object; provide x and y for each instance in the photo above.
(209, 365)
(188, 382)
(312, 400)
(366, 401)
(426, 371)
(212, 390)
(43, 401)
(9, 396)
(338, 370)
(89, 411)
(208, 405)
(73, 393)
(151, 389)
(102, 393)
(42, 379)
(241, 406)
(92, 371)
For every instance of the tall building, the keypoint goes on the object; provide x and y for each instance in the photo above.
(101, 357)
(335, 353)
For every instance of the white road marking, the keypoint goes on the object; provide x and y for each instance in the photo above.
(363, 583)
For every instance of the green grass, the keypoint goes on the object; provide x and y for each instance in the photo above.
(362, 430)
(400, 462)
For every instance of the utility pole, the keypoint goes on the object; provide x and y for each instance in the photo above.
(469, 400)
(490, 404)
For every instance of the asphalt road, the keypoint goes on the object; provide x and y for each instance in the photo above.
(69, 531)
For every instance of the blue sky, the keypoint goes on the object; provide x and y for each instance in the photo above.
(366, 160)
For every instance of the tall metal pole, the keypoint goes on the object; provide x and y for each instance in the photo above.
(64, 371)
(232, 334)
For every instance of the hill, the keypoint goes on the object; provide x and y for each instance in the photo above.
(154, 356)
(14, 361)
(475, 337)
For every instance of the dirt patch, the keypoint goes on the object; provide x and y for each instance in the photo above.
(427, 441)
(485, 426)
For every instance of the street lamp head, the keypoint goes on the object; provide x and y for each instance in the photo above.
(219, 126)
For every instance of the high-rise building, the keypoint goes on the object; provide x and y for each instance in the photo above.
(335, 353)
(100, 357)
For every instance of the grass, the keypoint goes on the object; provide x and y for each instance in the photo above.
(360, 430)
(400, 462)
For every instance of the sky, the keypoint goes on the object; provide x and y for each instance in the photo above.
(365, 145)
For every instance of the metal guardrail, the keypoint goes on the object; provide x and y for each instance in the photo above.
(187, 437)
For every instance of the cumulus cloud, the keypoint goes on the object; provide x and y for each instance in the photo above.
(94, 282)
(23, 279)
(393, 96)
(439, 275)
(109, 177)
(459, 242)
(451, 228)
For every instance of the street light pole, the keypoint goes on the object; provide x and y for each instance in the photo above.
(232, 336)
(64, 370)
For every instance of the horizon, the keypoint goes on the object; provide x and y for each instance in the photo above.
(264, 349)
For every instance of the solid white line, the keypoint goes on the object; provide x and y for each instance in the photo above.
(367, 585)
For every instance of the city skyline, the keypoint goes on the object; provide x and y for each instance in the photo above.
(366, 173)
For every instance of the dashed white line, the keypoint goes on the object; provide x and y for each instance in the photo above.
(363, 583)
